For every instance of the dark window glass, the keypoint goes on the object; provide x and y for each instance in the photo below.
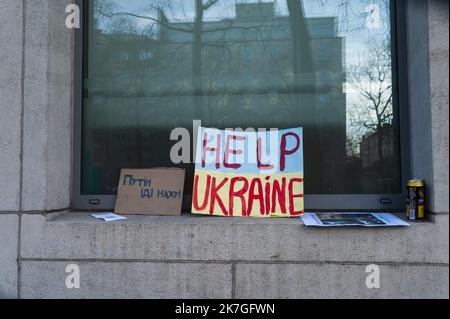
(151, 66)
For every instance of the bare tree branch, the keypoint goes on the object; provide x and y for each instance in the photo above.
(209, 4)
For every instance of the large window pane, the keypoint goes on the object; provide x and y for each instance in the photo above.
(326, 65)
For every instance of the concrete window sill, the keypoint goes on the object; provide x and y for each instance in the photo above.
(188, 218)
(203, 257)
(193, 238)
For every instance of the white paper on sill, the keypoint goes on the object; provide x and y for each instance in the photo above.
(108, 217)
(352, 220)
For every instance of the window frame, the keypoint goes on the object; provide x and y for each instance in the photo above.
(348, 202)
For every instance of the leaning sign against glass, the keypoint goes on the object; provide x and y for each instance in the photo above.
(249, 174)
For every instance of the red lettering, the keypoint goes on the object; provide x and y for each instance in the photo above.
(211, 149)
(197, 207)
(292, 196)
(284, 152)
(280, 193)
(260, 165)
(215, 196)
(240, 194)
(229, 151)
(252, 196)
(267, 195)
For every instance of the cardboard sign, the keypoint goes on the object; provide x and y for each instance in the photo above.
(156, 191)
(249, 174)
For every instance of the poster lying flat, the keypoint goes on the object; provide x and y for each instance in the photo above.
(249, 174)
(352, 219)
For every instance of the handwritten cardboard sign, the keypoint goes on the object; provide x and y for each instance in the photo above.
(249, 174)
(157, 191)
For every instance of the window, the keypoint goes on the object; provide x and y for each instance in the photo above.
(147, 67)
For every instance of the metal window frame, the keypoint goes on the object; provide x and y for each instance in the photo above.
(350, 202)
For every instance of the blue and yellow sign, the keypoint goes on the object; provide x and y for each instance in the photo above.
(249, 174)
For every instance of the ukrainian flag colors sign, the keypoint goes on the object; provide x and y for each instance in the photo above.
(249, 174)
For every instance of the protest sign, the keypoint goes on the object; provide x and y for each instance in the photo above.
(249, 174)
(156, 191)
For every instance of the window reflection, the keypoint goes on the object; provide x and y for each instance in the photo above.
(324, 65)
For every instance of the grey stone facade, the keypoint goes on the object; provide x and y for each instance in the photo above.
(192, 257)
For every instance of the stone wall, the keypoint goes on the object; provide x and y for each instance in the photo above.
(191, 256)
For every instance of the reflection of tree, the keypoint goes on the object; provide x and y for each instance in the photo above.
(197, 45)
(352, 147)
(301, 41)
(371, 77)
(305, 83)
(373, 80)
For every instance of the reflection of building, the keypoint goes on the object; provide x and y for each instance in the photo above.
(378, 155)
(259, 69)
(372, 152)
(122, 61)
